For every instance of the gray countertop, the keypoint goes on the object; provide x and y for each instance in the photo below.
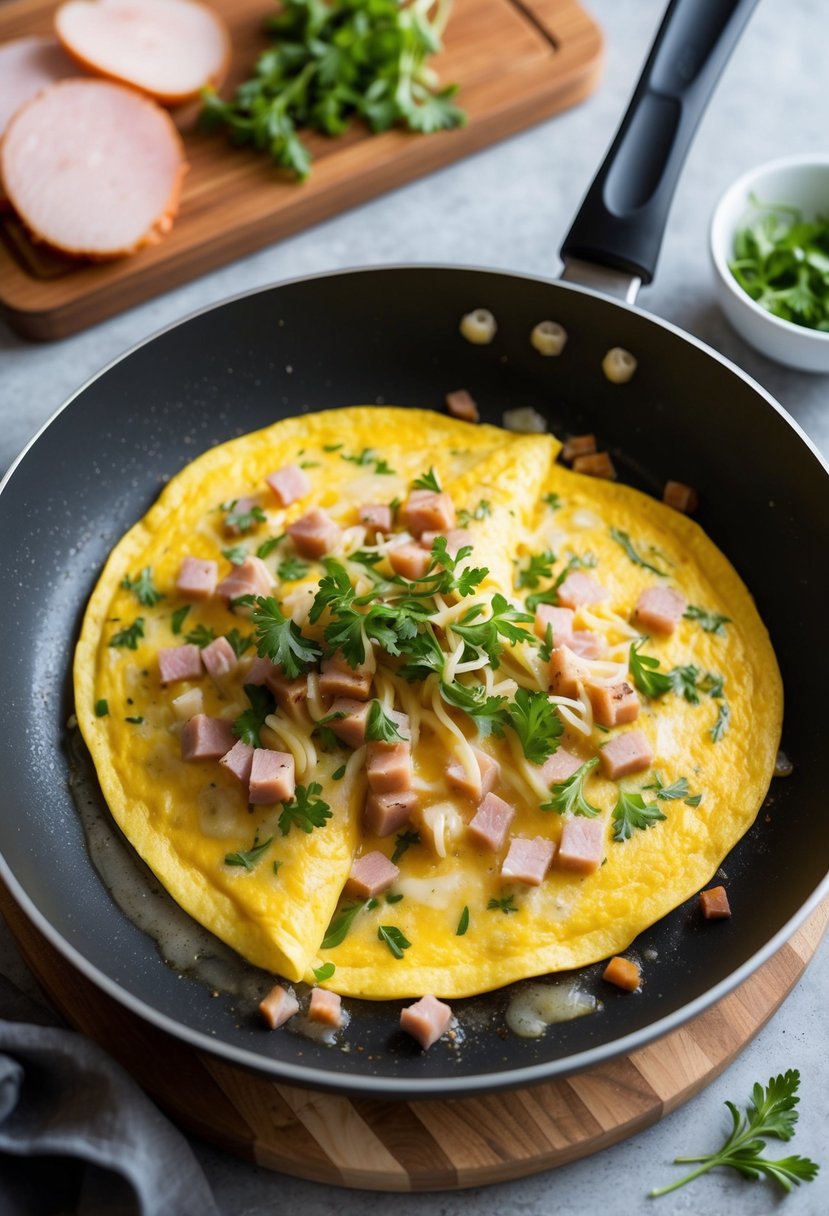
(508, 207)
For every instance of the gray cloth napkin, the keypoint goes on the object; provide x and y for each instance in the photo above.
(77, 1135)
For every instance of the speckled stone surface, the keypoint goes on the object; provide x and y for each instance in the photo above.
(509, 207)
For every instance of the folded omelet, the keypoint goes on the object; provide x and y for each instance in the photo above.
(499, 657)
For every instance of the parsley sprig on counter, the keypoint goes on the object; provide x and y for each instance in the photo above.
(333, 61)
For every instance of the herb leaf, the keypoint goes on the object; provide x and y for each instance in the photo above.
(623, 539)
(249, 858)
(101, 708)
(292, 569)
(306, 810)
(632, 812)
(142, 587)
(504, 622)
(507, 904)
(677, 789)
(711, 622)
(396, 941)
(488, 713)
(536, 722)
(539, 566)
(427, 481)
(338, 929)
(236, 554)
(250, 722)
(463, 922)
(128, 638)
(244, 521)
(568, 796)
(280, 639)
(380, 728)
(200, 636)
(324, 972)
(645, 674)
(721, 725)
(402, 842)
(178, 617)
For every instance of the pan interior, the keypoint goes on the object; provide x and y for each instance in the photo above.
(392, 336)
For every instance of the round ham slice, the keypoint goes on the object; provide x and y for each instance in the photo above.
(93, 169)
(28, 65)
(169, 49)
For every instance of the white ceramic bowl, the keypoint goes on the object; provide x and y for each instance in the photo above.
(799, 181)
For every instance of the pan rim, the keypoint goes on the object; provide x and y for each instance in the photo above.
(387, 1087)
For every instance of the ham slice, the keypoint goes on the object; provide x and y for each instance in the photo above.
(93, 169)
(169, 49)
(314, 534)
(491, 822)
(272, 777)
(252, 577)
(325, 1007)
(28, 65)
(426, 1020)
(714, 903)
(659, 609)
(179, 663)
(528, 860)
(289, 484)
(581, 846)
(204, 738)
(428, 511)
(629, 752)
(196, 578)
(370, 875)
(278, 1006)
(385, 813)
(578, 589)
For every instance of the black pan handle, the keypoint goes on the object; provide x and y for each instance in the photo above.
(623, 216)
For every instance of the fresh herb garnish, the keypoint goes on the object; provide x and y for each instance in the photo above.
(711, 622)
(677, 789)
(394, 939)
(242, 521)
(402, 842)
(248, 725)
(769, 1113)
(340, 925)
(338, 774)
(539, 566)
(280, 639)
(568, 796)
(178, 618)
(507, 904)
(240, 642)
(684, 682)
(721, 725)
(632, 812)
(101, 708)
(128, 638)
(395, 898)
(536, 722)
(645, 673)
(623, 539)
(545, 650)
(142, 588)
(200, 636)
(306, 810)
(427, 481)
(249, 858)
(267, 547)
(380, 728)
(504, 622)
(331, 447)
(236, 554)
(392, 626)
(488, 713)
(482, 511)
(292, 569)
(324, 972)
(463, 923)
(135, 721)
(553, 501)
(367, 457)
(550, 594)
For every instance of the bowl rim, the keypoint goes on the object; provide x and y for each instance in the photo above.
(717, 240)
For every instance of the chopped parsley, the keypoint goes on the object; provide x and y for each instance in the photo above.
(340, 925)
(677, 789)
(488, 713)
(367, 457)
(507, 904)
(339, 773)
(248, 725)
(536, 722)
(623, 539)
(396, 941)
(395, 898)
(306, 810)
(380, 728)
(239, 642)
(645, 673)
(553, 501)
(142, 588)
(280, 639)
(632, 812)
(242, 521)
(236, 554)
(267, 547)
(503, 622)
(568, 796)
(550, 594)
(178, 618)
(292, 569)
(482, 511)
(402, 842)
(134, 721)
(249, 858)
(200, 636)
(545, 650)
(463, 923)
(721, 725)
(427, 481)
(684, 682)
(539, 566)
(101, 708)
(128, 638)
(324, 972)
(711, 622)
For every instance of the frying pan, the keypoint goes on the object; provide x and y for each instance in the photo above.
(391, 334)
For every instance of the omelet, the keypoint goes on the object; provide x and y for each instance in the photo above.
(400, 704)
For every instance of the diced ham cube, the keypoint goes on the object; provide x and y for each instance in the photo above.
(376, 516)
(578, 445)
(567, 672)
(315, 533)
(489, 772)
(579, 588)
(659, 609)
(456, 538)
(204, 738)
(272, 777)
(370, 875)
(325, 1007)
(289, 484)
(196, 579)
(428, 511)
(560, 620)
(714, 903)
(410, 560)
(337, 679)
(613, 704)
(623, 972)
(491, 822)
(252, 577)
(179, 663)
(463, 405)
(558, 767)
(242, 506)
(586, 643)
(581, 847)
(351, 727)
(389, 767)
(219, 658)
(426, 1020)
(239, 761)
(278, 1006)
(681, 497)
(629, 752)
(528, 860)
(386, 813)
(188, 704)
(288, 693)
(259, 671)
(595, 464)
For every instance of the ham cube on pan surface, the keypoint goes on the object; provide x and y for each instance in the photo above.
(629, 752)
(558, 767)
(560, 621)
(278, 1006)
(272, 777)
(528, 860)
(205, 738)
(289, 484)
(196, 578)
(613, 704)
(370, 875)
(389, 767)
(376, 516)
(288, 693)
(179, 663)
(410, 561)
(567, 672)
(325, 1007)
(426, 1020)
(337, 679)
(351, 726)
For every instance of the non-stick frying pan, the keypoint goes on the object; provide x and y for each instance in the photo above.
(391, 335)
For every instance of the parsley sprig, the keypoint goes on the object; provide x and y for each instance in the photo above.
(782, 262)
(128, 637)
(631, 812)
(549, 595)
(710, 622)
(248, 859)
(633, 554)
(280, 639)
(568, 797)
(306, 810)
(504, 621)
(769, 1113)
(248, 725)
(143, 588)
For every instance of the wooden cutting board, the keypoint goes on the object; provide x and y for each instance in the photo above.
(516, 62)
(419, 1146)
